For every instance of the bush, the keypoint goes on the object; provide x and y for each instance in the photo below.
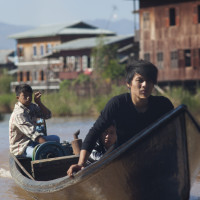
(65, 84)
(179, 95)
(113, 70)
(81, 79)
(7, 102)
(102, 100)
(67, 103)
(5, 81)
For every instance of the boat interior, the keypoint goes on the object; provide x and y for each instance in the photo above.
(50, 160)
(46, 169)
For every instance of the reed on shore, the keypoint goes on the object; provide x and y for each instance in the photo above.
(66, 102)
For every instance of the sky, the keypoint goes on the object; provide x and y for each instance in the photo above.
(43, 12)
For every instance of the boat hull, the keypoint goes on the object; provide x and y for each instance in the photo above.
(155, 164)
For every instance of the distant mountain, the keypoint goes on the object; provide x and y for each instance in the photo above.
(7, 30)
(120, 27)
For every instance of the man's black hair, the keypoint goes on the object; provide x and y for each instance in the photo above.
(23, 88)
(142, 67)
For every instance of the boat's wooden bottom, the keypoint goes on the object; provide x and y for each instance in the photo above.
(48, 169)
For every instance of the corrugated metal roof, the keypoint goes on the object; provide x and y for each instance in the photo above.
(60, 29)
(74, 31)
(87, 43)
(4, 55)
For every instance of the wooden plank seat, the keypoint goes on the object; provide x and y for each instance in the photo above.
(52, 168)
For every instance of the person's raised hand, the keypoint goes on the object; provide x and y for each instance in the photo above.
(37, 97)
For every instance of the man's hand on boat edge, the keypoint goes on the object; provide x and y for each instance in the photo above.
(73, 169)
(84, 155)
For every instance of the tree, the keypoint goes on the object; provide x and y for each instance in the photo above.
(106, 61)
(5, 81)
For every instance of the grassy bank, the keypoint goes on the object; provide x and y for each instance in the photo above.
(67, 103)
(192, 101)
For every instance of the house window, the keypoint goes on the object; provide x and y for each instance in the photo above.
(48, 48)
(34, 51)
(20, 51)
(35, 76)
(84, 62)
(187, 56)
(41, 50)
(174, 59)
(160, 60)
(159, 56)
(77, 63)
(70, 62)
(147, 56)
(89, 62)
(28, 76)
(146, 20)
(73, 62)
(172, 16)
(198, 10)
(20, 76)
(42, 75)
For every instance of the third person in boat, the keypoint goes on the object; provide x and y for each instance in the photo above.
(131, 112)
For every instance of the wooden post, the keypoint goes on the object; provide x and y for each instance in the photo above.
(76, 143)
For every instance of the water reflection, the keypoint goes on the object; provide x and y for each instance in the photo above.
(66, 127)
(194, 198)
(19, 193)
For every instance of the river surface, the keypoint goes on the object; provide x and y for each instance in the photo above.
(64, 127)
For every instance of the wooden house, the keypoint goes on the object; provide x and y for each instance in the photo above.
(170, 38)
(77, 54)
(34, 67)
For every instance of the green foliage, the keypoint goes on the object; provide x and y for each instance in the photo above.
(65, 84)
(67, 103)
(98, 53)
(101, 101)
(56, 102)
(179, 95)
(7, 102)
(113, 70)
(81, 79)
(106, 62)
(7, 99)
(5, 81)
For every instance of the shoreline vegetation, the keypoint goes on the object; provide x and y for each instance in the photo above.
(78, 100)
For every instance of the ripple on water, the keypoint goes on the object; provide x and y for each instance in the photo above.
(5, 173)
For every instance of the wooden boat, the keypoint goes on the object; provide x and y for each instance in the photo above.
(161, 162)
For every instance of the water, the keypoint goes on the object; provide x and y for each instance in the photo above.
(64, 127)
